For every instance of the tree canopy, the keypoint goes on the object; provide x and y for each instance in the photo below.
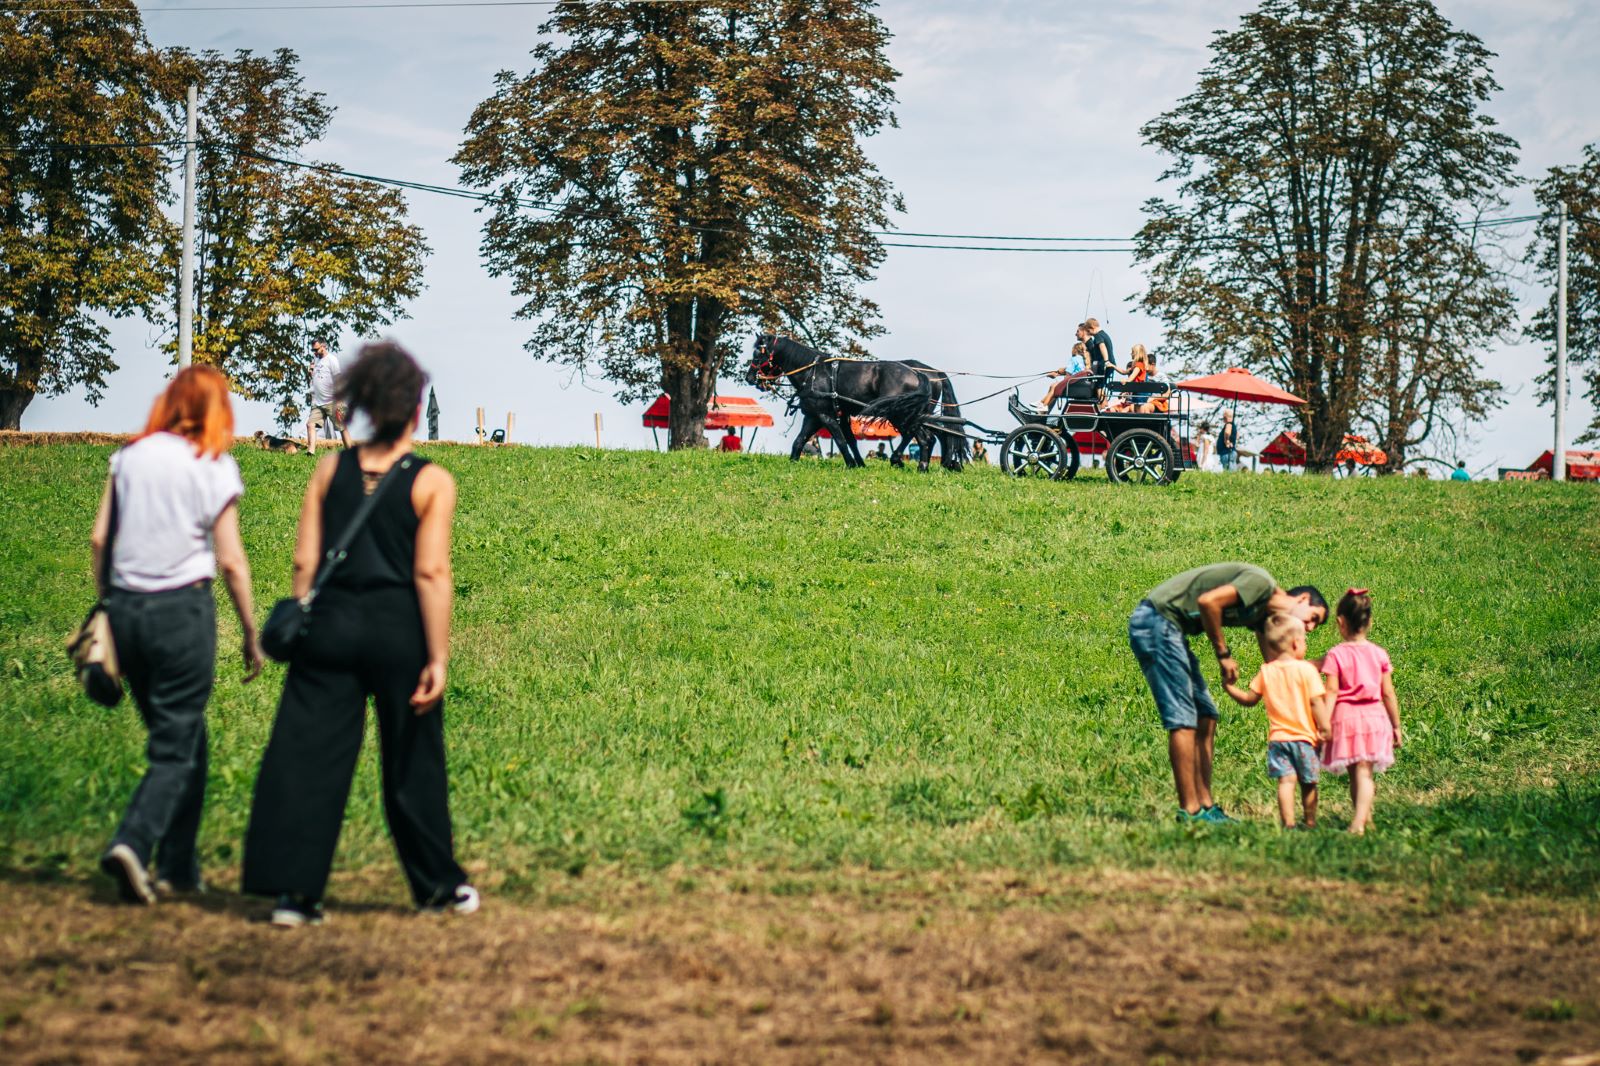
(1577, 186)
(81, 182)
(669, 173)
(1322, 167)
(285, 251)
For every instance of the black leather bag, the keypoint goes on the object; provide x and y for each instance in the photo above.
(290, 619)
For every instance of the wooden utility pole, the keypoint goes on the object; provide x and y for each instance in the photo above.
(186, 266)
(1558, 458)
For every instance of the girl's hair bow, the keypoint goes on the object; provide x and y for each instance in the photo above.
(1355, 592)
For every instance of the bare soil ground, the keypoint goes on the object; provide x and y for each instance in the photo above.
(867, 967)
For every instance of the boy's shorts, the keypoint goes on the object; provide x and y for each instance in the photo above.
(1293, 758)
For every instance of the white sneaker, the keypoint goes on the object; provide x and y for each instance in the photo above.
(292, 912)
(133, 880)
(465, 901)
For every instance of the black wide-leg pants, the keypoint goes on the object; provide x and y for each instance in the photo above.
(167, 648)
(359, 645)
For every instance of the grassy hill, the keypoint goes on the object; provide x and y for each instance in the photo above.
(733, 662)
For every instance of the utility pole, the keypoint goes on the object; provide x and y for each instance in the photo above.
(1558, 458)
(186, 270)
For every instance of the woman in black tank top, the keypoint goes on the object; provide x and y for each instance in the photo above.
(379, 630)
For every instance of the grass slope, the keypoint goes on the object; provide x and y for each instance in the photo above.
(698, 660)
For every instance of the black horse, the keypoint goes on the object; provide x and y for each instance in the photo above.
(953, 449)
(831, 391)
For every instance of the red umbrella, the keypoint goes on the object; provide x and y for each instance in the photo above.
(868, 429)
(1237, 383)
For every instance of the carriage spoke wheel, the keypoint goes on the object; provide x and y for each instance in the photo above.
(1037, 451)
(1140, 455)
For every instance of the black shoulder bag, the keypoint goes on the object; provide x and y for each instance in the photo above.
(290, 618)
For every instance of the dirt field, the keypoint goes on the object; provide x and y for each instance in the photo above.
(869, 968)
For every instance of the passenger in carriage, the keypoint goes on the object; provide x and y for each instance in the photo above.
(1073, 369)
(1139, 369)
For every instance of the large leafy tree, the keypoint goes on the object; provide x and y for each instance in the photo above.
(670, 172)
(1578, 187)
(285, 251)
(1440, 300)
(1324, 136)
(80, 193)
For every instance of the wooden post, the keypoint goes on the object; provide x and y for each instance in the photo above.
(597, 426)
(511, 421)
(481, 436)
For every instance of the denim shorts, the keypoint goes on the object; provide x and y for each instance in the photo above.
(1170, 668)
(1293, 758)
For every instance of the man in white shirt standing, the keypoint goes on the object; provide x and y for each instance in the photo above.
(324, 411)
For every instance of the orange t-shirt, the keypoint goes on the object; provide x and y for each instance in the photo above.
(1287, 687)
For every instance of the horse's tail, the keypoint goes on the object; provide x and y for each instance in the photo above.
(953, 448)
(908, 411)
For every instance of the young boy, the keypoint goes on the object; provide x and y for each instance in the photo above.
(1297, 713)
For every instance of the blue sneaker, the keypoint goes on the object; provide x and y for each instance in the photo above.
(1185, 818)
(1216, 815)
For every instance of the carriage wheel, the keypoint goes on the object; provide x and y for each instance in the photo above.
(1140, 455)
(1038, 451)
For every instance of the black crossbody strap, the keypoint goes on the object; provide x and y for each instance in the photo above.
(337, 553)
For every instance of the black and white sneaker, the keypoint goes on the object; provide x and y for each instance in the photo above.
(132, 879)
(292, 911)
(463, 901)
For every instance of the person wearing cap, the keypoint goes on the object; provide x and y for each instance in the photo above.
(1206, 599)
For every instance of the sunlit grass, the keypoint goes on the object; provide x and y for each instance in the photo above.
(734, 661)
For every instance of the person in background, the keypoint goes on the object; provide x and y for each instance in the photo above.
(882, 451)
(1206, 446)
(177, 522)
(730, 441)
(813, 447)
(1227, 441)
(1206, 599)
(380, 630)
(324, 408)
(980, 453)
(1460, 472)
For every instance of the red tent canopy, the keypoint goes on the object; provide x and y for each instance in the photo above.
(1287, 450)
(1237, 383)
(725, 411)
(1581, 466)
(868, 429)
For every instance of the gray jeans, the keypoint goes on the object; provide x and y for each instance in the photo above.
(167, 647)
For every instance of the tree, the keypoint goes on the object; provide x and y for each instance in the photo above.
(1579, 188)
(668, 173)
(1322, 136)
(1440, 301)
(284, 251)
(81, 179)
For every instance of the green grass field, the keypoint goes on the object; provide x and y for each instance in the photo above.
(670, 663)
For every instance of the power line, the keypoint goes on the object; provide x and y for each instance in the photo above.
(1113, 245)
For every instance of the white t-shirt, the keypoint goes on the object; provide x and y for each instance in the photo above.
(322, 379)
(168, 498)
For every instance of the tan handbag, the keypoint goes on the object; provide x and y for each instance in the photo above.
(91, 648)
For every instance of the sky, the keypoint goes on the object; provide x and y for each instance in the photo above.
(1014, 118)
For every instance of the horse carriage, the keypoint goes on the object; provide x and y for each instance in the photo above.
(1145, 430)
(1142, 428)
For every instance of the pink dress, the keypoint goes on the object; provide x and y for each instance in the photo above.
(1361, 730)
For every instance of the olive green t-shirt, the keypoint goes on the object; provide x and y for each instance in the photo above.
(1178, 598)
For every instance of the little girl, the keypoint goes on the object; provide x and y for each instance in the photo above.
(1365, 726)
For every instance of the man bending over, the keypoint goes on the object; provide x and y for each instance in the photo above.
(1205, 600)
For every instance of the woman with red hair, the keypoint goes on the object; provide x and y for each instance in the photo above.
(170, 515)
